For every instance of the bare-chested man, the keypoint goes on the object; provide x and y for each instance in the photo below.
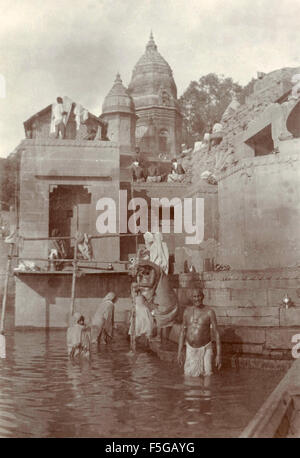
(195, 332)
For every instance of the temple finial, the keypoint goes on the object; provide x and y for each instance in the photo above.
(118, 78)
(151, 46)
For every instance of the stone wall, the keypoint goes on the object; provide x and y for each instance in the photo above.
(250, 312)
(46, 165)
(179, 250)
(266, 91)
(4, 251)
(44, 300)
(260, 212)
(150, 124)
(147, 191)
(202, 255)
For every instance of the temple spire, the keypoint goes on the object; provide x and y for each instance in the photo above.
(151, 46)
(118, 78)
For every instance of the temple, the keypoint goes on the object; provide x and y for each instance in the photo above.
(246, 176)
(153, 89)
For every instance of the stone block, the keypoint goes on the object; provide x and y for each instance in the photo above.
(247, 312)
(44, 300)
(247, 348)
(290, 317)
(238, 283)
(248, 321)
(281, 338)
(248, 297)
(243, 335)
(30, 307)
(275, 296)
(217, 297)
(285, 282)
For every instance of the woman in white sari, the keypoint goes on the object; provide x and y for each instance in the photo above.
(103, 319)
(158, 250)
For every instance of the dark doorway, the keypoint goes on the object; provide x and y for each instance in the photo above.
(69, 209)
(262, 142)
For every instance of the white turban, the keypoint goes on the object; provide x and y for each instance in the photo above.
(109, 296)
(148, 237)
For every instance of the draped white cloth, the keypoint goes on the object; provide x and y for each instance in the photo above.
(143, 319)
(198, 361)
(104, 315)
(57, 113)
(159, 253)
(81, 114)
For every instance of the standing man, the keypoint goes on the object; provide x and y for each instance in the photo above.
(195, 332)
(58, 118)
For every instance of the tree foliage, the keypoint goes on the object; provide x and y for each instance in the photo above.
(205, 100)
(8, 180)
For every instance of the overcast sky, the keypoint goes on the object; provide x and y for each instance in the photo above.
(75, 48)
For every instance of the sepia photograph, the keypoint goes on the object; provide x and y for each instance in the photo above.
(149, 221)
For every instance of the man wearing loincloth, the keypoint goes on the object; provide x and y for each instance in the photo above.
(196, 333)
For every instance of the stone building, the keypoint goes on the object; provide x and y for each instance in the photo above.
(118, 111)
(153, 89)
(251, 210)
(257, 218)
(62, 178)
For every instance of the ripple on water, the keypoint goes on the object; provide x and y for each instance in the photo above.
(43, 394)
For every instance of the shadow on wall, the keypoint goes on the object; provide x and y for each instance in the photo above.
(292, 123)
(87, 286)
(231, 341)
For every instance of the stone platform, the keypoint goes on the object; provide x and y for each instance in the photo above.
(168, 352)
(43, 299)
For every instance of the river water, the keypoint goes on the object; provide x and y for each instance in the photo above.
(43, 394)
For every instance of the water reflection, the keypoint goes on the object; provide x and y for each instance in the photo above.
(115, 394)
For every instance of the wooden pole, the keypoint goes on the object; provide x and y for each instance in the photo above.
(136, 242)
(74, 267)
(74, 280)
(4, 300)
(73, 238)
(133, 323)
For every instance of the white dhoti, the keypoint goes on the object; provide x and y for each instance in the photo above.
(198, 361)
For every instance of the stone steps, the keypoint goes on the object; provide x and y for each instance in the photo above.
(168, 352)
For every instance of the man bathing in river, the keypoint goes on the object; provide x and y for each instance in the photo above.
(195, 332)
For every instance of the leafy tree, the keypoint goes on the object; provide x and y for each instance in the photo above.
(8, 180)
(205, 100)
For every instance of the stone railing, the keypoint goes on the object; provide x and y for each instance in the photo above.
(49, 141)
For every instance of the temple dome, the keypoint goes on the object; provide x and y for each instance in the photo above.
(118, 99)
(152, 81)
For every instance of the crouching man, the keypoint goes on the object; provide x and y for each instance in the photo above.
(196, 334)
